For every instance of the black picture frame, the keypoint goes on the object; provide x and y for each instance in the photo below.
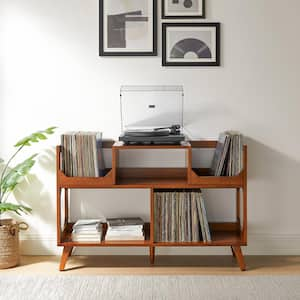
(164, 15)
(210, 55)
(103, 52)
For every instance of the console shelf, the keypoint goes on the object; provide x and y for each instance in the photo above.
(233, 234)
(67, 239)
(85, 182)
(201, 177)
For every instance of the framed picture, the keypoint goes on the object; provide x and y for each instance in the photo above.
(182, 9)
(191, 44)
(128, 27)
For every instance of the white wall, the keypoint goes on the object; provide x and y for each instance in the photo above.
(51, 74)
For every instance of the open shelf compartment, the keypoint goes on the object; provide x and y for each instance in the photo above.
(67, 239)
(82, 182)
(201, 177)
(152, 176)
(85, 182)
(223, 234)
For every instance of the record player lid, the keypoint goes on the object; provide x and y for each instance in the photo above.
(148, 107)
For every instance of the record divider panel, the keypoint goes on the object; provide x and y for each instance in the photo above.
(232, 234)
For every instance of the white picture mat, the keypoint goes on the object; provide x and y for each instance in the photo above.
(179, 9)
(175, 34)
(139, 35)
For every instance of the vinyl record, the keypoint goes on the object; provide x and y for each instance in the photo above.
(190, 45)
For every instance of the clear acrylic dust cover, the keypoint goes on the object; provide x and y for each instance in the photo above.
(149, 107)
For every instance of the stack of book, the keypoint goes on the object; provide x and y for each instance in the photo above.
(180, 216)
(82, 154)
(228, 156)
(124, 229)
(87, 230)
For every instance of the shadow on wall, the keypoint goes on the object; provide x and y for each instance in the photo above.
(214, 114)
(47, 160)
(273, 182)
(32, 192)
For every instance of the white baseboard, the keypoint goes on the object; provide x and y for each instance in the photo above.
(258, 244)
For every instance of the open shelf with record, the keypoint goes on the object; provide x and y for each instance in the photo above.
(201, 176)
(232, 234)
(223, 234)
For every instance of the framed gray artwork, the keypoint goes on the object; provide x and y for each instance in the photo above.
(127, 27)
(191, 44)
(186, 9)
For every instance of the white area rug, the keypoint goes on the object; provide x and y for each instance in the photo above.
(148, 287)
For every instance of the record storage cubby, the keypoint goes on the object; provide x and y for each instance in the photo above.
(231, 234)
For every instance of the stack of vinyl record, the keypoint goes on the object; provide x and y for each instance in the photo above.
(82, 154)
(87, 230)
(124, 229)
(180, 216)
(228, 156)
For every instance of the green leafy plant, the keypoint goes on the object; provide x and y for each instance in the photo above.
(10, 177)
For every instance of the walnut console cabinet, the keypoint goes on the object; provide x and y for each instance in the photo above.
(231, 234)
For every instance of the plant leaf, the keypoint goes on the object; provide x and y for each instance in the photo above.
(40, 135)
(50, 130)
(35, 137)
(16, 208)
(1, 160)
(17, 174)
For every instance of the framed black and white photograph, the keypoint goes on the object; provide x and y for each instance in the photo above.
(191, 44)
(182, 9)
(128, 27)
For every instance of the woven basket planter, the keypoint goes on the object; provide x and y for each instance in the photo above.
(9, 242)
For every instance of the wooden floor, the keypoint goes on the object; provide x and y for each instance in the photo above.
(164, 265)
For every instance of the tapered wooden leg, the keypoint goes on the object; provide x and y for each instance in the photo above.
(233, 254)
(239, 257)
(64, 257)
(152, 255)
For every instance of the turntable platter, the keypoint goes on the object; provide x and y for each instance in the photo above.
(147, 133)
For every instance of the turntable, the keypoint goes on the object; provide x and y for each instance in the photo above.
(148, 112)
(164, 135)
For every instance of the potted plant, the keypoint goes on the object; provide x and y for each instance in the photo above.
(10, 177)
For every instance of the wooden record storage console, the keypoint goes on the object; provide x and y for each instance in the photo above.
(232, 234)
